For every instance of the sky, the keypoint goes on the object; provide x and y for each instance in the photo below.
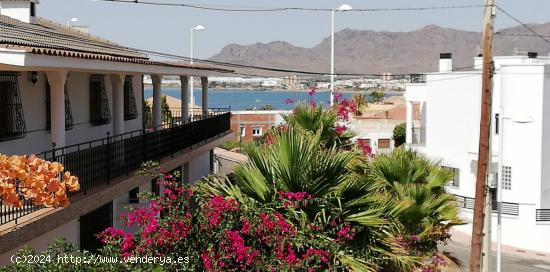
(166, 28)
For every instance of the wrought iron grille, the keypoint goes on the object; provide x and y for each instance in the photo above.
(69, 122)
(12, 120)
(100, 113)
(543, 215)
(99, 162)
(130, 106)
(468, 203)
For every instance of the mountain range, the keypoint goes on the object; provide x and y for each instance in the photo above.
(366, 51)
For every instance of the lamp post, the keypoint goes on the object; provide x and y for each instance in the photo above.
(72, 20)
(191, 95)
(342, 8)
(502, 118)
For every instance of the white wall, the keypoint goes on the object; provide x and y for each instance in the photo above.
(33, 99)
(199, 167)
(452, 136)
(545, 162)
(69, 231)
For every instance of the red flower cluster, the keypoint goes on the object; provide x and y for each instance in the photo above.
(312, 90)
(345, 233)
(340, 129)
(344, 108)
(297, 196)
(364, 146)
(217, 206)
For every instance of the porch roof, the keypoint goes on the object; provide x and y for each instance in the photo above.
(45, 37)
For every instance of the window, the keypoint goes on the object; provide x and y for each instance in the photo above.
(69, 123)
(133, 195)
(384, 143)
(506, 178)
(99, 102)
(257, 131)
(12, 120)
(130, 106)
(456, 176)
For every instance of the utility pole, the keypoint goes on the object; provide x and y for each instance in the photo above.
(484, 139)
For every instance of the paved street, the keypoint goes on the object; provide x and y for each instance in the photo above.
(510, 263)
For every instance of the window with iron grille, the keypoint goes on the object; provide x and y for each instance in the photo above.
(130, 106)
(69, 123)
(506, 177)
(99, 102)
(12, 120)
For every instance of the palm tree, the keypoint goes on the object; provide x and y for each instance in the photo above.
(299, 161)
(406, 174)
(318, 120)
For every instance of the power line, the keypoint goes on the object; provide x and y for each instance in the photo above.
(523, 24)
(275, 9)
(521, 35)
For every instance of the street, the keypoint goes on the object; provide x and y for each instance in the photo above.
(510, 263)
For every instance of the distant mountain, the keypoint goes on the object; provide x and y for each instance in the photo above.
(365, 51)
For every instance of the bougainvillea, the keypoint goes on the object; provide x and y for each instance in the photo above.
(223, 235)
(30, 177)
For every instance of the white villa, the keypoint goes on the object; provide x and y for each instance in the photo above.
(75, 98)
(450, 104)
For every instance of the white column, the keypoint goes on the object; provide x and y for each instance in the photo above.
(157, 100)
(184, 98)
(57, 80)
(117, 81)
(204, 82)
(409, 127)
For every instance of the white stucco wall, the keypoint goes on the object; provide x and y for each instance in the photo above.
(69, 231)
(199, 167)
(33, 99)
(452, 136)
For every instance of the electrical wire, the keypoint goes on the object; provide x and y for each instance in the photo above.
(521, 35)
(274, 9)
(523, 24)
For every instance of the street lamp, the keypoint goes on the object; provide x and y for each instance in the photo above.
(502, 118)
(72, 20)
(342, 8)
(196, 28)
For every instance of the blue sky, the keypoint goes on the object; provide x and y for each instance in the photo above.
(166, 29)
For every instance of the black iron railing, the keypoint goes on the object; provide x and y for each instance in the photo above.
(468, 203)
(543, 215)
(99, 162)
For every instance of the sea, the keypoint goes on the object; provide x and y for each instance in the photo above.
(241, 99)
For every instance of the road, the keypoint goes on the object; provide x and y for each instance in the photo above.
(510, 263)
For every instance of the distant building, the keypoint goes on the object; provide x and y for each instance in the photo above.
(448, 130)
(250, 125)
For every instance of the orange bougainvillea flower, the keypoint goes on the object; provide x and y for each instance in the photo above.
(32, 178)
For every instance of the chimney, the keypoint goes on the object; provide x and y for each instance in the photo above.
(22, 10)
(445, 62)
(532, 55)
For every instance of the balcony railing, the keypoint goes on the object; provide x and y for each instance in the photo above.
(468, 203)
(543, 215)
(418, 135)
(101, 161)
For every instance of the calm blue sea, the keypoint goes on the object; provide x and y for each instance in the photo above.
(243, 99)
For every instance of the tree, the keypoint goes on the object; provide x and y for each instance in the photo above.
(30, 177)
(360, 101)
(407, 175)
(400, 134)
(377, 96)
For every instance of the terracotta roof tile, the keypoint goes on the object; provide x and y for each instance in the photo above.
(46, 37)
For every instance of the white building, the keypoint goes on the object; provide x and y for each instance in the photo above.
(84, 95)
(450, 103)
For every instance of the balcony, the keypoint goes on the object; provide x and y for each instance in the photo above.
(101, 161)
